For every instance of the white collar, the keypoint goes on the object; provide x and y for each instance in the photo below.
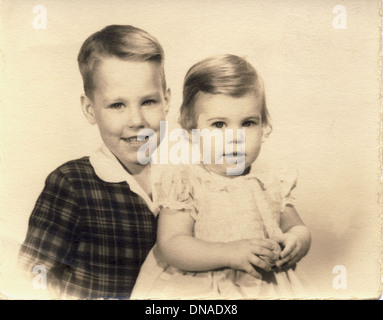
(109, 169)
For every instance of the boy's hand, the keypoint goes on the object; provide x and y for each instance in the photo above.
(250, 254)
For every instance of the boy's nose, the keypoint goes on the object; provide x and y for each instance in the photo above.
(136, 119)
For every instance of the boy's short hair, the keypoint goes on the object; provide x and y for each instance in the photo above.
(122, 41)
(221, 74)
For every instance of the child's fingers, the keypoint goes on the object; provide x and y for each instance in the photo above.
(289, 264)
(269, 249)
(261, 251)
(282, 262)
(260, 263)
(289, 259)
(253, 272)
(252, 267)
(297, 257)
(288, 249)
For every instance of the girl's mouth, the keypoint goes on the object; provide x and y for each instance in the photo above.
(234, 154)
(233, 157)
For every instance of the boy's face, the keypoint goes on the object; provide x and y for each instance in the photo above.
(230, 114)
(127, 97)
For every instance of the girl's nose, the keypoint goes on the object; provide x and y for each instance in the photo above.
(136, 119)
(235, 136)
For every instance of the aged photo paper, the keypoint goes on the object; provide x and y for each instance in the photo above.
(321, 66)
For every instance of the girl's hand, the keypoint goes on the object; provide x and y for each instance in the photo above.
(295, 245)
(250, 254)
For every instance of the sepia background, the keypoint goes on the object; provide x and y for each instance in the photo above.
(322, 87)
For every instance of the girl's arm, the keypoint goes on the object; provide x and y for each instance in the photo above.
(179, 248)
(297, 238)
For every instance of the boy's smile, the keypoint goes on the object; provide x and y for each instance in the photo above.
(128, 97)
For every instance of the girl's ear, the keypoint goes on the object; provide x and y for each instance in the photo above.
(266, 132)
(88, 109)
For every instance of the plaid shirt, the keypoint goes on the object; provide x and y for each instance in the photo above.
(92, 228)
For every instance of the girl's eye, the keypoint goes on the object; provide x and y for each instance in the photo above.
(218, 124)
(149, 102)
(249, 123)
(117, 105)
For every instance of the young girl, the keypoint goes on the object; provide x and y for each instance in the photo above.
(220, 235)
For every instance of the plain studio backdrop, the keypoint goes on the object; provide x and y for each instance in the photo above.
(322, 82)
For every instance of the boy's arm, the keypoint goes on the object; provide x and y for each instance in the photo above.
(52, 226)
(179, 248)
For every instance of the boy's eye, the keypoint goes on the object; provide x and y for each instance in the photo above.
(117, 105)
(149, 102)
(249, 123)
(218, 124)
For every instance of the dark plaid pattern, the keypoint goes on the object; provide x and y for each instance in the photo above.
(92, 236)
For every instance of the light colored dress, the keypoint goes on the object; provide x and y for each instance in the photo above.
(224, 209)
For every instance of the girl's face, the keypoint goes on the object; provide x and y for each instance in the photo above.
(229, 114)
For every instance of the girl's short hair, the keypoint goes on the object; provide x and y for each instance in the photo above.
(122, 41)
(221, 74)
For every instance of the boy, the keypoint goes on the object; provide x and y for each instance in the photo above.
(94, 222)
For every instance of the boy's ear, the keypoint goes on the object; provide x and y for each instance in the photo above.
(168, 95)
(87, 109)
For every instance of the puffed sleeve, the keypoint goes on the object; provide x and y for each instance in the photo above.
(288, 182)
(174, 190)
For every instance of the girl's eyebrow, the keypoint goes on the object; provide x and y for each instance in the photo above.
(217, 118)
(258, 118)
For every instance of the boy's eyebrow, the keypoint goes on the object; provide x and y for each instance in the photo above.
(113, 99)
(120, 98)
(150, 95)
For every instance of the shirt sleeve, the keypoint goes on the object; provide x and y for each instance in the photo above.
(51, 231)
(174, 190)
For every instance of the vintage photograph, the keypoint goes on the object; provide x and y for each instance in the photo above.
(183, 150)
